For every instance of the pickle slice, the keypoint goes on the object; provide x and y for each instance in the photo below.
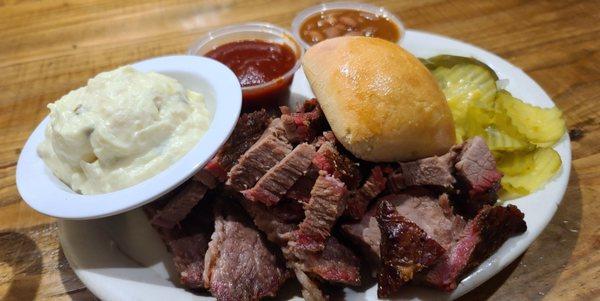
(522, 180)
(541, 126)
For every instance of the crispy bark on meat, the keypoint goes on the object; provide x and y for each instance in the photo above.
(271, 148)
(481, 237)
(358, 201)
(179, 205)
(430, 213)
(281, 177)
(405, 250)
(239, 263)
(425, 210)
(247, 131)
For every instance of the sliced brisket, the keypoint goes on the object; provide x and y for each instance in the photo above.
(358, 200)
(435, 171)
(281, 177)
(239, 264)
(482, 236)
(188, 257)
(336, 263)
(277, 227)
(366, 235)
(326, 205)
(271, 148)
(479, 180)
(179, 204)
(248, 129)
(329, 159)
(304, 125)
(405, 250)
(424, 209)
(432, 214)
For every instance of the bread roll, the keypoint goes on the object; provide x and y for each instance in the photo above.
(382, 103)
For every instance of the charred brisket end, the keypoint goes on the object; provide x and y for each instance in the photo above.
(358, 201)
(271, 148)
(248, 129)
(179, 205)
(304, 125)
(434, 171)
(482, 236)
(478, 178)
(424, 209)
(281, 177)
(330, 160)
(239, 263)
(326, 205)
(405, 250)
(188, 257)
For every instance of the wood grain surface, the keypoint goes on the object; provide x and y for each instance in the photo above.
(48, 48)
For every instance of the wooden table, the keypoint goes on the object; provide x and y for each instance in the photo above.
(48, 48)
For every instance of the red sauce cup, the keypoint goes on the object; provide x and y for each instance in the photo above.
(268, 94)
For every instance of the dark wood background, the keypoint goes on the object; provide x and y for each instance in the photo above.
(48, 48)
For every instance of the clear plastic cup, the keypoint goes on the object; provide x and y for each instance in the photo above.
(269, 93)
(311, 11)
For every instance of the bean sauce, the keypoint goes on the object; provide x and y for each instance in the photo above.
(347, 22)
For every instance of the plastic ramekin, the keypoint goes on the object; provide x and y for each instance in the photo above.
(311, 11)
(267, 93)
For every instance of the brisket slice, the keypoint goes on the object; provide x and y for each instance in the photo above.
(271, 148)
(405, 250)
(425, 210)
(479, 180)
(280, 178)
(326, 205)
(239, 265)
(358, 200)
(435, 171)
(481, 237)
(277, 227)
(336, 263)
(329, 159)
(179, 204)
(366, 235)
(433, 215)
(187, 241)
(248, 129)
(304, 125)
(188, 257)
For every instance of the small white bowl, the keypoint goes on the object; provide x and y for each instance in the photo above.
(45, 193)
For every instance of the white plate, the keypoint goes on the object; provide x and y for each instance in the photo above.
(45, 193)
(121, 258)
